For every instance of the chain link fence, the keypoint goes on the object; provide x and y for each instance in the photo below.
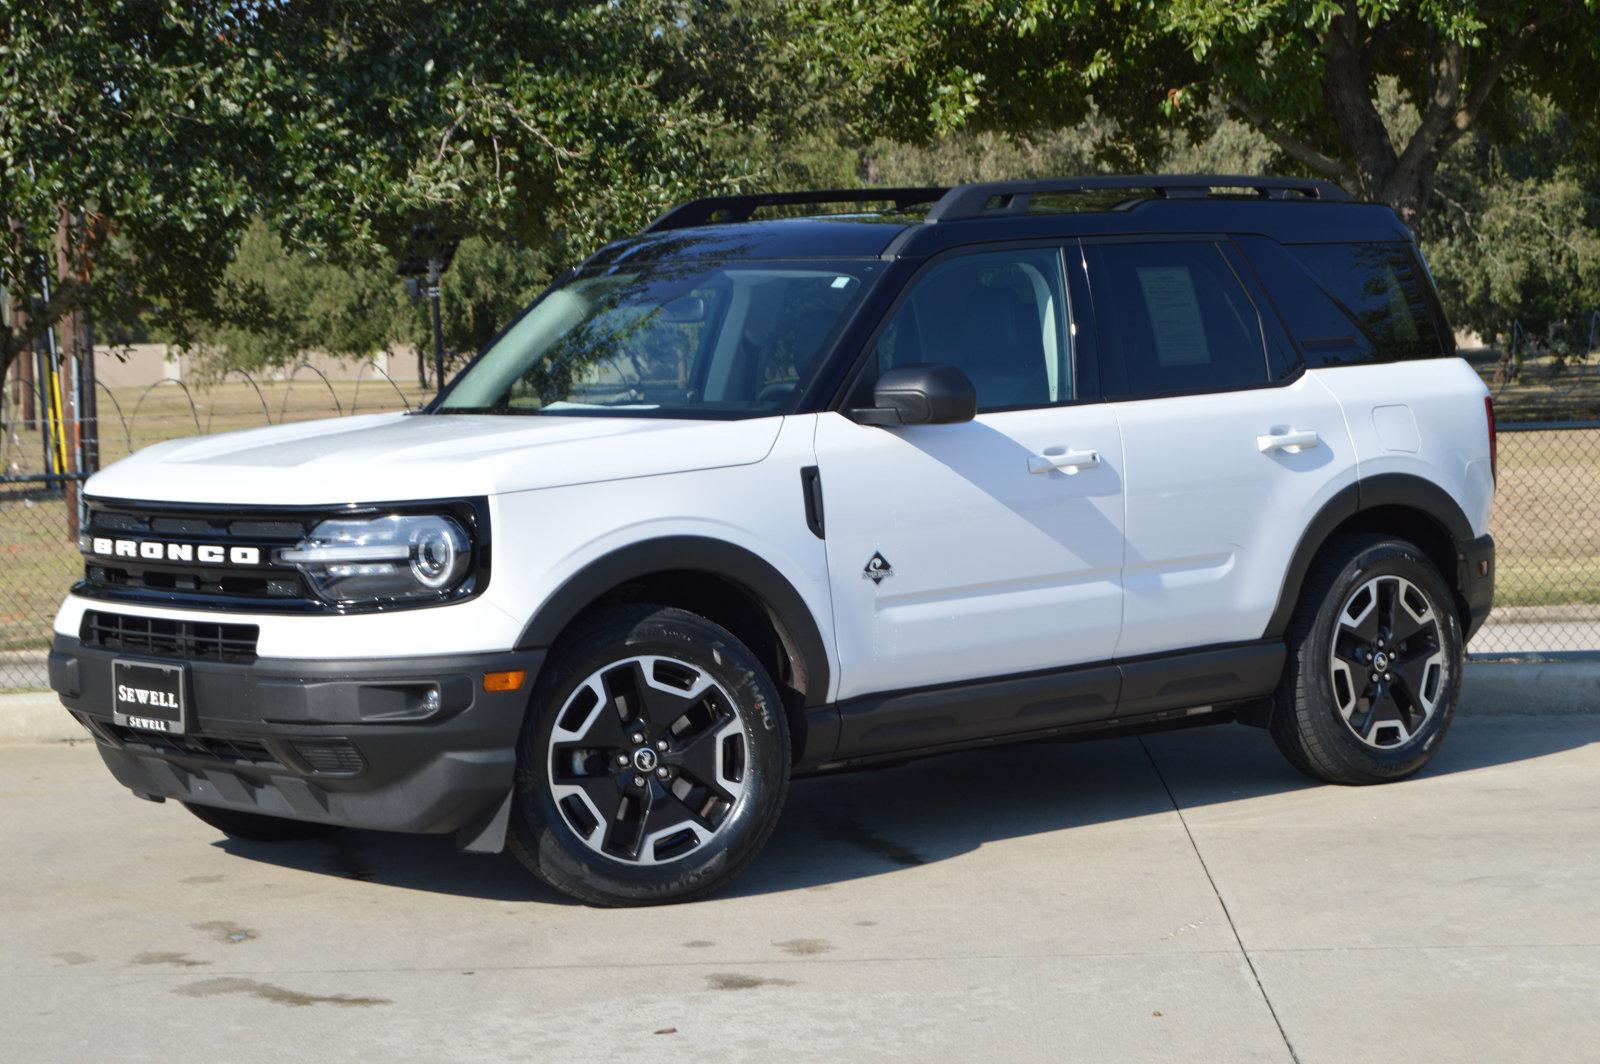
(1546, 527)
(46, 436)
(38, 562)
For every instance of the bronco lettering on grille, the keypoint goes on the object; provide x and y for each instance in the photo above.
(151, 550)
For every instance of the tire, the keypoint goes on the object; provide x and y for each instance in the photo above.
(613, 821)
(1331, 719)
(255, 827)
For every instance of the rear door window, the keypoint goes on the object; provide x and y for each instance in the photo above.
(1175, 319)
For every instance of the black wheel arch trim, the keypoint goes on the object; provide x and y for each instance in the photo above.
(717, 557)
(1368, 493)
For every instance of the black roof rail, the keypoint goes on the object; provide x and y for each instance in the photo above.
(739, 208)
(1014, 197)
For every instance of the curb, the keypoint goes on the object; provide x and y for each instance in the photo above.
(1489, 689)
(37, 718)
(1530, 688)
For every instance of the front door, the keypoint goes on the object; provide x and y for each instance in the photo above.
(983, 549)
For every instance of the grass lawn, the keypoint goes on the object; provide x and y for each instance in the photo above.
(1542, 389)
(1546, 520)
(37, 564)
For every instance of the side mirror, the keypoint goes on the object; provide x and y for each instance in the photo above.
(920, 394)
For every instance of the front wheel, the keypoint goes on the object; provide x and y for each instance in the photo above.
(1374, 664)
(654, 762)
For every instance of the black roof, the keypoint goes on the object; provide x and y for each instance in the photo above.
(890, 223)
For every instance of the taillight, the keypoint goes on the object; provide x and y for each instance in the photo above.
(1494, 443)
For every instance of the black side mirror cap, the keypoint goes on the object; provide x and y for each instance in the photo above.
(920, 394)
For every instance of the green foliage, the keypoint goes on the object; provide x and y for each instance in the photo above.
(1306, 73)
(540, 129)
(1517, 234)
(549, 123)
(275, 305)
(272, 306)
(149, 116)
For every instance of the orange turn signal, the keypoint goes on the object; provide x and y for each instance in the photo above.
(504, 681)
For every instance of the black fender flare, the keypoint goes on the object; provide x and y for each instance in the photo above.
(1368, 493)
(717, 557)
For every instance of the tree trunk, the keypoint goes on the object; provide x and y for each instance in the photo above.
(21, 368)
(69, 342)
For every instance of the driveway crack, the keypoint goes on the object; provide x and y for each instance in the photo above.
(1245, 953)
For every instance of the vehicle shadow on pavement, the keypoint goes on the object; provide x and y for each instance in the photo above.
(855, 825)
(410, 862)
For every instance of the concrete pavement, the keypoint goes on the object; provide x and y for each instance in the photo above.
(1183, 898)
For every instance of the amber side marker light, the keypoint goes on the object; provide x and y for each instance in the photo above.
(494, 682)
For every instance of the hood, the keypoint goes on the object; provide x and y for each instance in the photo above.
(399, 457)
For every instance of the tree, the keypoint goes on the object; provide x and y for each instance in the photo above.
(172, 124)
(1305, 73)
(1517, 232)
(272, 305)
(148, 118)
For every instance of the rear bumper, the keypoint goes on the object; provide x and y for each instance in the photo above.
(1475, 579)
(355, 743)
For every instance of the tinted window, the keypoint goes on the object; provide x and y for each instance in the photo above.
(1383, 291)
(1325, 333)
(687, 339)
(1175, 319)
(999, 317)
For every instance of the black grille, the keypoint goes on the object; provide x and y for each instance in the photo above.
(234, 751)
(338, 756)
(162, 638)
(164, 579)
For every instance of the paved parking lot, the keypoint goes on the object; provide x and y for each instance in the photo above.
(1184, 898)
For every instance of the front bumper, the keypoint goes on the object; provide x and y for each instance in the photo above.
(1475, 580)
(356, 743)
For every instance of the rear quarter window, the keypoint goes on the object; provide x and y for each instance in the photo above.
(1351, 303)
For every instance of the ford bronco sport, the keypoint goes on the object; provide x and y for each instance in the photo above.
(754, 494)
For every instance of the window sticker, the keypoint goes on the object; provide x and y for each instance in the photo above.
(1174, 310)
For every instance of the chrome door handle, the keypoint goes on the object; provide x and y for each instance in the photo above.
(1292, 440)
(1067, 461)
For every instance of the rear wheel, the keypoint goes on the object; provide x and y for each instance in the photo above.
(1374, 664)
(256, 827)
(654, 762)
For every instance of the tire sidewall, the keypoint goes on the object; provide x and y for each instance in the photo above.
(549, 843)
(1388, 558)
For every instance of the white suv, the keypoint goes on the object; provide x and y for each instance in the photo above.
(740, 498)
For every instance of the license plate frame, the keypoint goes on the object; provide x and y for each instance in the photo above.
(165, 684)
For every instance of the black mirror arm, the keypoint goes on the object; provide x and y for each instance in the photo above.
(882, 416)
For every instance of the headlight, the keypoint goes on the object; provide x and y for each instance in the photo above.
(397, 558)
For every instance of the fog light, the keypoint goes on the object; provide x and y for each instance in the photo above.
(495, 682)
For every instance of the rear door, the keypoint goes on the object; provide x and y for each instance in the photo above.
(1229, 450)
(982, 549)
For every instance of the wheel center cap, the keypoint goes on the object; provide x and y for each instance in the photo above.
(1380, 661)
(644, 759)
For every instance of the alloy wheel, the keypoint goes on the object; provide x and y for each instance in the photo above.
(1388, 663)
(647, 759)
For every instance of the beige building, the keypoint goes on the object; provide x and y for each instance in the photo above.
(140, 365)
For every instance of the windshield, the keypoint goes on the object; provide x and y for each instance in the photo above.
(687, 340)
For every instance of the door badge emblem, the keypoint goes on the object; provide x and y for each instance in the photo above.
(877, 568)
